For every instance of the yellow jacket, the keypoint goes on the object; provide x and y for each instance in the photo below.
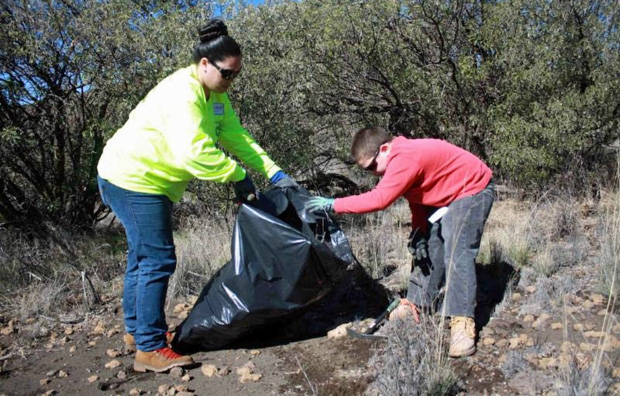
(172, 136)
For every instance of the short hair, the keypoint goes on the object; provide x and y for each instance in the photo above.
(367, 141)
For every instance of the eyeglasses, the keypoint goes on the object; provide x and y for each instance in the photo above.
(227, 74)
(373, 164)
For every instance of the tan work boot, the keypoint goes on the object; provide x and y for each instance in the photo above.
(462, 336)
(130, 341)
(160, 360)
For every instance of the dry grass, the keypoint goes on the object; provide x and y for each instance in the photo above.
(202, 247)
(414, 360)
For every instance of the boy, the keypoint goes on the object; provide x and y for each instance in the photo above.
(430, 174)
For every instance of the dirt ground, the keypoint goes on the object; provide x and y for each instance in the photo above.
(521, 350)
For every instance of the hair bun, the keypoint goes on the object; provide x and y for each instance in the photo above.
(212, 30)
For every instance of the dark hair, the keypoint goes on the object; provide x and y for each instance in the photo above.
(367, 141)
(215, 43)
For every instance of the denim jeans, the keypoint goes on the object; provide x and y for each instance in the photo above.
(151, 260)
(453, 245)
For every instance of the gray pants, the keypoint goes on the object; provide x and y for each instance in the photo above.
(453, 245)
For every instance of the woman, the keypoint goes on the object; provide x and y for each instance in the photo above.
(169, 139)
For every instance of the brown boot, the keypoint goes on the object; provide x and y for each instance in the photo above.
(160, 360)
(130, 342)
(462, 336)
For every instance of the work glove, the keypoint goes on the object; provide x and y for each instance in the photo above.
(282, 180)
(245, 190)
(317, 204)
(417, 245)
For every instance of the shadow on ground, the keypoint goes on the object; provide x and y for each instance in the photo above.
(494, 280)
(355, 296)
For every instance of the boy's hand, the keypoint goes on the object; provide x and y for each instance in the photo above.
(317, 204)
(417, 245)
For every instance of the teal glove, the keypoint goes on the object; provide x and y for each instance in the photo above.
(317, 204)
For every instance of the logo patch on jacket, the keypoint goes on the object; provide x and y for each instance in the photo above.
(218, 108)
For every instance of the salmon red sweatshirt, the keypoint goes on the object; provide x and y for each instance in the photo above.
(428, 173)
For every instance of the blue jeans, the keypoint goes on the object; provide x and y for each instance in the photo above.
(151, 260)
(453, 245)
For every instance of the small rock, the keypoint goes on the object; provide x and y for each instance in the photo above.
(587, 304)
(338, 332)
(181, 388)
(135, 392)
(587, 347)
(541, 320)
(246, 375)
(185, 393)
(598, 299)
(177, 372)
(112, 332)
(68, 330)
(530, 289)
(186, 378)
(579, 327)
(568, 347)
(557, 326)
(49, 392)
(72, 349)
(163, 389)
(45, 381)
(51, 373)
(549, 362)
(113, 353)
(590, 326)
(528, 318)
(62, 374)
(113, 364)
(250, 364)
(121, 374)
(209, 370)
(516, 296)
(223, 371)
(254, 352)
(488, 341)
(92, 343)
(99, 329)
(502, 343)
(93, 378)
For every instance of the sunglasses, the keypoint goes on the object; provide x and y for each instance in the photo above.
(227, 74)
(373, 164)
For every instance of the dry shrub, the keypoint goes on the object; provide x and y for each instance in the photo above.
(506, 235)
(608, 234)
(414, 360)
(379, 241)
(202, 247)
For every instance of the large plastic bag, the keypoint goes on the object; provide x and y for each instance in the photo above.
(283, 259)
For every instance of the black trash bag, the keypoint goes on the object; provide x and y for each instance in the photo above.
(283, 259)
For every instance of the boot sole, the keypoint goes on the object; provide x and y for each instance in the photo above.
(142, 368)
(467, 352)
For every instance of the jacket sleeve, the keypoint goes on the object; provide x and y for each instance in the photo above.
(400, 175)
(236, 139)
